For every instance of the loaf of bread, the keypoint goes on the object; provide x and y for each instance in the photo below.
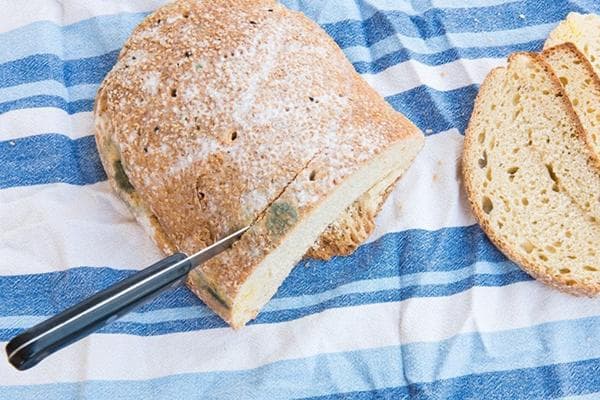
(529, 178)
(224, 114)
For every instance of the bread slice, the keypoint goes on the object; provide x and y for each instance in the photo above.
(528, 179)
(583, 30)
(242, 112)
(582, 87)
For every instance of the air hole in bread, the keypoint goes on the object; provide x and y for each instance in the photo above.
(188, 54)
(575, 102)
(487, 205)
(528, 247)
(516, 99)
(550, 249)
(512, 170)
(517, 113)
(270, 10)
(570, 282)
(173, 92)
(590, 268)
(145, 149)
(234, 135)
(201, 196)
(568, 234)
(313, 175)
(481, 137)
(482, 162)
(488, 174)
(564, 80)
(186, 14)
(525, 201)
(156, 129)
(553, 176)
(252, 22)
(564, 271)
(542, 257)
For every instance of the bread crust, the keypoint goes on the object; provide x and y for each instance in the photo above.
(187, 112)
(561, 283)
(584, 135)
(341, 238)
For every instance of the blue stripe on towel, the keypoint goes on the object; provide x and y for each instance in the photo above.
(49, 158)
(490, 374)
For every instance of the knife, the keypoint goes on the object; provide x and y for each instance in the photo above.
(32, 346)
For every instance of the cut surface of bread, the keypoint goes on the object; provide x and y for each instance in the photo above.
(355, 224)
(583, 30)
(582, 87)
(527, 176)
(222, 115)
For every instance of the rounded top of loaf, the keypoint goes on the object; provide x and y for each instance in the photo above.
(215, 107)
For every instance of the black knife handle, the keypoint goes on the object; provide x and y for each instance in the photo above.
(30, 347)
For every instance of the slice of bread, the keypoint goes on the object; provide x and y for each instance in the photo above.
(582, 86)
(223, 114)
(583, 30)
(528, 179)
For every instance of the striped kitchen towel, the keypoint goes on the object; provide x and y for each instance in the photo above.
(426, 309)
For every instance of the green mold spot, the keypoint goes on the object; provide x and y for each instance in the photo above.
(121, 177)
(201, 284)
(218, 298)
(280, 218)
(199, 66)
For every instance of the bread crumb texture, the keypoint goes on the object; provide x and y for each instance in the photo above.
(529, 177)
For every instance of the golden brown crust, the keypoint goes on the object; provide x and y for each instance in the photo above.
(571, 48)
(109, 155)
(237, 112)
(561, 283)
